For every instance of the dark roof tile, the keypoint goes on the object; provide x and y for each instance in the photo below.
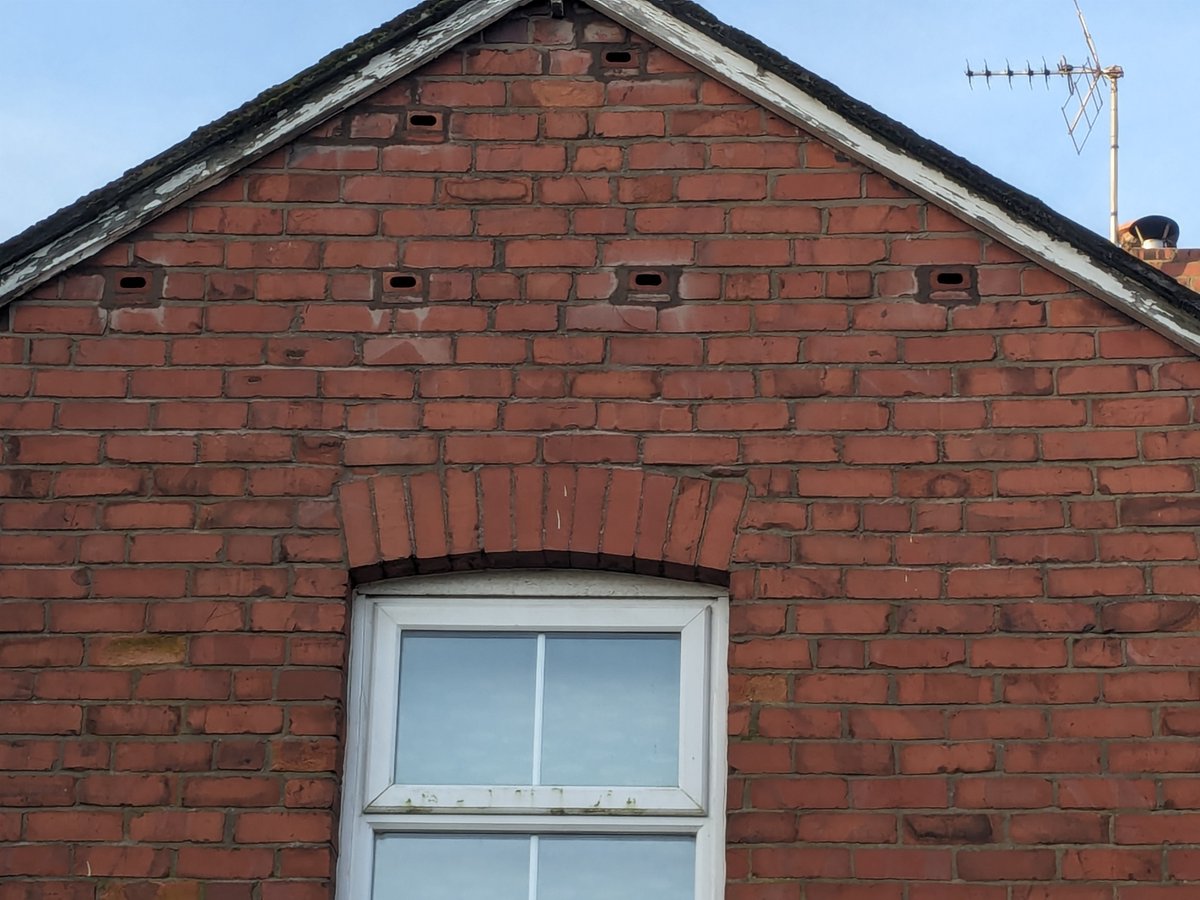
(394, 33)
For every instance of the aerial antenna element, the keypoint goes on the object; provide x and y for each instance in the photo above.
(1084, 103)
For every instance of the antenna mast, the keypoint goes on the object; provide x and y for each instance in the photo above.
(1083, 104)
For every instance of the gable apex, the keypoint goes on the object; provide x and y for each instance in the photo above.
(681, 27)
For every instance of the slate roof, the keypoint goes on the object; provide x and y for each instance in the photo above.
(276, 100)
(254, 112)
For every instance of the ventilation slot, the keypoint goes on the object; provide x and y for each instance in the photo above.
(427, 125)
(403, 287)
(649, 287)
(132, 283)
(947, 284)
(618, 57)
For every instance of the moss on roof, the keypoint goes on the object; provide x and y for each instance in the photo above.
(245, 118)
(1015, 201)
(289, 94)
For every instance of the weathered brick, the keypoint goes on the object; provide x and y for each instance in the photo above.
(956, 535)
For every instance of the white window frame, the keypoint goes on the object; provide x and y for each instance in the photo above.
(535, 601)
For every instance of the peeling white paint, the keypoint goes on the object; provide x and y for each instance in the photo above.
(181, 184)
(182, 178)
(665, 30)
(801, 109)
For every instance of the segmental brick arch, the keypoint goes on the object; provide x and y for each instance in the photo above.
(502, 516)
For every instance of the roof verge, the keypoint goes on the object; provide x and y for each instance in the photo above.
(1010, 216)
(249, 132)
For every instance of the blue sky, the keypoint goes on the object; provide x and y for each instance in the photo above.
(89, 89)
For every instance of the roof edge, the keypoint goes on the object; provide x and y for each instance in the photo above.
(1007, 214)
(233, 141)
(1013, 217)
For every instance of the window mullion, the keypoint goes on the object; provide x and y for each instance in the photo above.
(539, 693)
(533, 867)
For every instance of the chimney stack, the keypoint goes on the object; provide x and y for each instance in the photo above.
(1155, 239)
(1149, 233)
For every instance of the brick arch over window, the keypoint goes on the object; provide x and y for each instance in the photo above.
(622, 519)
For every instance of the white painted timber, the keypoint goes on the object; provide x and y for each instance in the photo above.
(180, 184)
(796, 106)
(665, 30)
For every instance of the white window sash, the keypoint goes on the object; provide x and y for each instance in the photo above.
(710, 856)
(689, 618)
(528, 591)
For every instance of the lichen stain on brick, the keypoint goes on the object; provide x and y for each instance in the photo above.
(139, 650)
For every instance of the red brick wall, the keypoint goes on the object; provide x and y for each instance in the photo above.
(958, 535)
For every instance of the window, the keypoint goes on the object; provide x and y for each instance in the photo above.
(535, 736)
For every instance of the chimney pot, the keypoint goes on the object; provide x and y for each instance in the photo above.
(1150, 233)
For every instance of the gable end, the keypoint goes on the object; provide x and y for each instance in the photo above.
(218, 150)
(679, 26)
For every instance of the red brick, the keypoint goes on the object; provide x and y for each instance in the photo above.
(927, 759)
(950, 348)
(240, 863)
(73, 826)
(759, 219)
(722, 187)
(755, 155)
(817, 186)
(851, 348)
(288, 827)
(630, 124)
(873, 219)
(177, 826)
(658, 156)
(558, 253)
(956, 536)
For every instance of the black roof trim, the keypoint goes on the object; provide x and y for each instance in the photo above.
(405, 26)
(254, 112)
(1016, 201)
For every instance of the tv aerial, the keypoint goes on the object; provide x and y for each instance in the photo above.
(1084, 103)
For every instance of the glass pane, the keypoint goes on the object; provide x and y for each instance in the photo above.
(451, 867)
(616, 868)
(611, 710)
(466, 708)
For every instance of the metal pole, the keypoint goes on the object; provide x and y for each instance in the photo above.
(1112, 186)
